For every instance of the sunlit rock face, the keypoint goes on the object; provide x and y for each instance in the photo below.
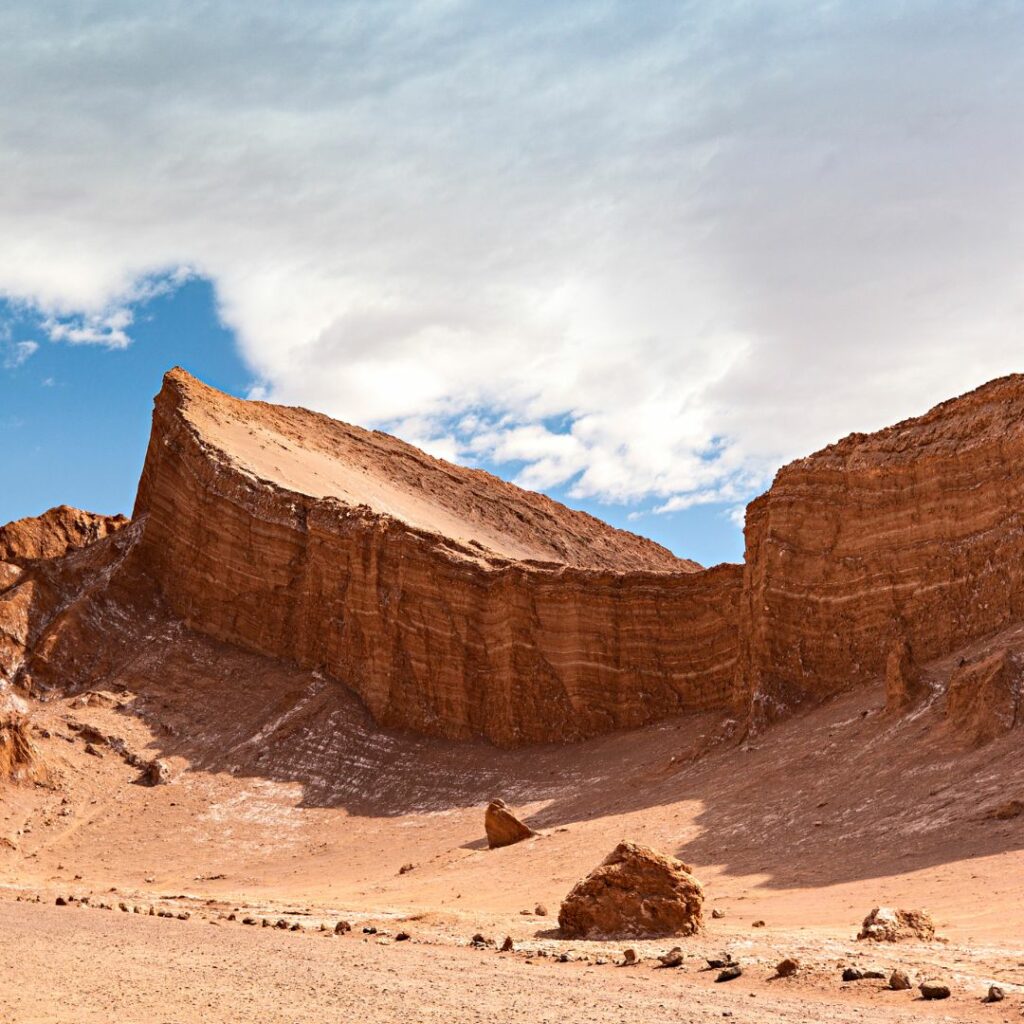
(452, 602)
(909, 535)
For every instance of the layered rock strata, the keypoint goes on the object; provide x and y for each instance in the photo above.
(452, 602)
(912, 535)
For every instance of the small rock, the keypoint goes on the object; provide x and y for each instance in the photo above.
(673, 958)
(402, 937)
(91, 748)
(757, 924)
(281, 923)
(862, 974)
(341, 927)
(369, 930)
(296, 927)
(506, 946)
(540, 910)
(265, 922)
(184, 915)
(996, 994)
(565, 957)
(479, 941)
(249, 920)
(890, 924)
(899, 981)
(406, 868)
(787, 968)
(503, 828)
(730, 973)
(933, 989)
(60, 901)
(629, 956)
(155, 773)
(717, 914)
(716, 963)
(123, 907)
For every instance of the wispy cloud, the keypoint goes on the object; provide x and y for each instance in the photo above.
(699, 237)
(18, 352)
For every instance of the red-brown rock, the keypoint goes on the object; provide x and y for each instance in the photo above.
(888, 924)
(503, 828)
(452, 602)
(984, 698)
(634, 892)
(914, 532)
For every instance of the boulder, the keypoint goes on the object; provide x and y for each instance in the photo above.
(899, 981)
(155, 773)
(787, 968)
(637, 892)
(984, 698)
(933, 989)
(503, 827)
(888, 924)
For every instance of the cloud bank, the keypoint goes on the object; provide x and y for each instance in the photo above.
(642, 252)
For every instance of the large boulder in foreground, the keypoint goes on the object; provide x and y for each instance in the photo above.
(888, 924)
(503, 827)
(634, 893)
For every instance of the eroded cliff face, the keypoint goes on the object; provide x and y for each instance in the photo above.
(453, 603)
(912, 535)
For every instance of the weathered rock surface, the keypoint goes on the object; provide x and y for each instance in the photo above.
(503, 828)
(913, 533)
(904, 686)
(983, 700)
(452, 602)
(455, 604)
(888, 924)
(18, 760)
(634, 892)
(54, 534)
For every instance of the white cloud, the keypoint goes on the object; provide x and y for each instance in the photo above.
(643, 250)
(17, 353)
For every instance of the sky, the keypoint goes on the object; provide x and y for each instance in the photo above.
(637, 256)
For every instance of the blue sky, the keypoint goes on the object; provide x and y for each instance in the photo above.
(637, 256)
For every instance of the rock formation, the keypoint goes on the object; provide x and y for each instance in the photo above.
(634, 892)
(452, 602)
(983, 700)
(888, 924)
(503, 828)
(903, 683)
(18, 760)
(914, 532)
(457, 605)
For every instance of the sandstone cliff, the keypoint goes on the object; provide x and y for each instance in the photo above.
(452, 602)
(912, 535)
(456, 604)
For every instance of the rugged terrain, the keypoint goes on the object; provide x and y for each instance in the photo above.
(321, 633)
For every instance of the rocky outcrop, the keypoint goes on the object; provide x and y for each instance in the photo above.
(904, 686)
(54, 534)
(503, 828)
(888, 924)
(451, 602)
(18, 757)
(635, 892)
(50, 562)
(913, 533)
(984, 698)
